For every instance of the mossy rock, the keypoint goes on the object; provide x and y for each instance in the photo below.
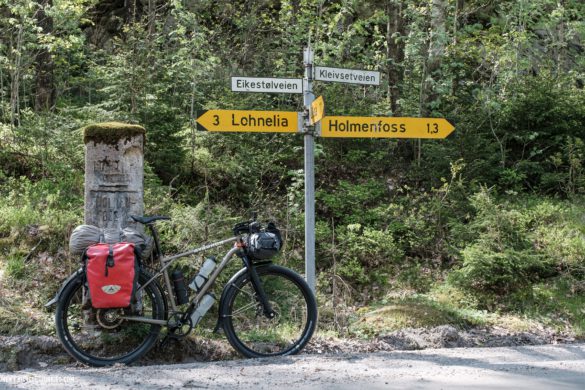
(110, 133)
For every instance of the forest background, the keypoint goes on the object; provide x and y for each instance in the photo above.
(485, 227)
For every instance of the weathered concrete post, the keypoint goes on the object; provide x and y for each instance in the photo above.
(114, 174)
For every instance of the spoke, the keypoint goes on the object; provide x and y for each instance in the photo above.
(248, 306)
(244, 291)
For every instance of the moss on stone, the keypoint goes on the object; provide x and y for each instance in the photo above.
(111, 132)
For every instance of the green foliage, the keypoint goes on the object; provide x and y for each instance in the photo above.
(37, 213)
(368, 254)
(567, 175)
(543, 120)
(499, 273)
(164, 147)
(558, 302)
(516, 247)
(404, 214)
(341, 204)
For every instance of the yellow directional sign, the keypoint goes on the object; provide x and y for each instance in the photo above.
(317, 110)
(384, 127)
(249, 121)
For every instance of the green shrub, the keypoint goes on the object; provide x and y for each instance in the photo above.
(353, 203)
(499, 273)
(367, 255)
(518, 243)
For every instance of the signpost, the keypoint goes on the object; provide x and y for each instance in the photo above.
(308, 99)
(249, 121)
(314, 114)
(384, 127)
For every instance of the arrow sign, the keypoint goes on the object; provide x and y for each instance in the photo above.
(317, 110)
(249, 121)
(384, 127)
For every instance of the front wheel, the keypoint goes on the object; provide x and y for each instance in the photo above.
(100, 337)
(250, 332)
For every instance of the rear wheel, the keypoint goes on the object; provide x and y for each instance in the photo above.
(250, 332)
(99, 337)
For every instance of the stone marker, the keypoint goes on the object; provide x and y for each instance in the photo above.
(114, 174)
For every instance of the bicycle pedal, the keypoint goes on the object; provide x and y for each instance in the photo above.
(167, 339)
(163, 343)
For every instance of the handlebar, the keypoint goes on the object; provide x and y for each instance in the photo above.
(246, 227)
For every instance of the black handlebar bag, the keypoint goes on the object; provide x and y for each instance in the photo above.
(264, 244)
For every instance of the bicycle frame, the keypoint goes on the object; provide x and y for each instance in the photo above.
(166, 262)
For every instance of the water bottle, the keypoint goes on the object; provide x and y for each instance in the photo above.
(203, 307)
(180, 289)
(203, 275)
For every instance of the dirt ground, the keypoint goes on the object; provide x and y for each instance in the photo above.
(38, 352)
(527, 367)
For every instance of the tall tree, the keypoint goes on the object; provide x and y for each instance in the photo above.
(436, 50)
(395, 41)
(45, 66)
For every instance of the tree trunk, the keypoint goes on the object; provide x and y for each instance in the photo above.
(395, 32)
(15, 80)
(131, 10)
(429, 95)
(44, 81)
(457, 23)
(435, 54)
(562, 44)
(151, 17)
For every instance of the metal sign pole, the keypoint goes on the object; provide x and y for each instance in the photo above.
(308, 98)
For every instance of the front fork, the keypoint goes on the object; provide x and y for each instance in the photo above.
(258, 288)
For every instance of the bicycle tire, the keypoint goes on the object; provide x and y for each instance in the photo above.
(90, 343)
(250, 332)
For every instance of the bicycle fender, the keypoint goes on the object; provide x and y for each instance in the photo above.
(227, 286)
(73, 276)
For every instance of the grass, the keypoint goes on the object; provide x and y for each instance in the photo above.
(558, 304)
(397, 314)
(38, 215)
(27, 281)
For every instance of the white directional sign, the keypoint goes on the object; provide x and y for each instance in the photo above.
(351, 76)
(267, 84)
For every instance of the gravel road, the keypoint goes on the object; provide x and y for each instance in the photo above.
(530, 367)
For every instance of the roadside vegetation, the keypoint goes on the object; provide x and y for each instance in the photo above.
(485, 228)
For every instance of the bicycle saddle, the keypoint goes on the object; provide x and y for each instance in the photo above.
(147, 220)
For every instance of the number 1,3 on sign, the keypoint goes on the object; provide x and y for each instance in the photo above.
(432, 128)
(384, 127)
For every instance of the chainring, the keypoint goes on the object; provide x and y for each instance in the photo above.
(178, 326)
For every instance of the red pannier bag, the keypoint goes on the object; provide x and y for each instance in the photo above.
(112, 274)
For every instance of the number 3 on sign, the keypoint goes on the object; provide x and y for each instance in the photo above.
(216, 120)
(434, 129)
